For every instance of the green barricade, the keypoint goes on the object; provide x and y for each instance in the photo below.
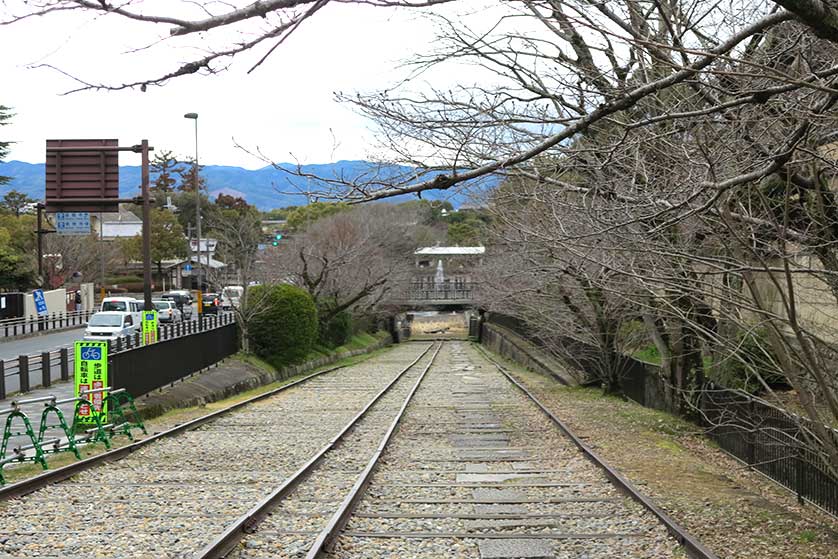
(20, 451)
(121, 408)
(115, 402)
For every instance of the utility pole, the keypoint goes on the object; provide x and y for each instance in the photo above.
(146, 229)
(196, 185)
(39, 233)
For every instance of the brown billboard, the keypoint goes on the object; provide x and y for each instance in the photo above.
(82, 176)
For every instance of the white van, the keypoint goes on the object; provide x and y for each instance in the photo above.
(231, 296)
(110, 325)
(124, 304)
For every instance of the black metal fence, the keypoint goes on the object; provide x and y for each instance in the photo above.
(768, 439)
(146, 368)
(12, 327)
(26, 372)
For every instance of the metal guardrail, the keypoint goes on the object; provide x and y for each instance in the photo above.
(11, 327)
(41, 369)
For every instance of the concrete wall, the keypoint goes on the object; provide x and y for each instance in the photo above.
(515, 348)
(641, 382)
(56, 303)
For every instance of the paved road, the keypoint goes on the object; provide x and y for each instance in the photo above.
(37, 344)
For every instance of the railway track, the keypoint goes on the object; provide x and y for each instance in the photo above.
(449, 458)
(475, 470)
(170, 496)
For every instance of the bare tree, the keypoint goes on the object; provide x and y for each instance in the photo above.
(239, 233)
(350, 261)
(231, 28)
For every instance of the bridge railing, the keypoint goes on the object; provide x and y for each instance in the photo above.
(462, 291)
(12, 327)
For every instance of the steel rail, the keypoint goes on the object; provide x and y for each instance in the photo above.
(54, 476)
(694, 548)
(328, 536)
(227, 541)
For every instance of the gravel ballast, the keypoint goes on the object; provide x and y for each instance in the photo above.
(169, 499)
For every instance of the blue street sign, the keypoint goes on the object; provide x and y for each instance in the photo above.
(187, 267)
(72, 223)
(40, 302)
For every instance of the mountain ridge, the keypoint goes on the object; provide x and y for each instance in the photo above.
(266, 188)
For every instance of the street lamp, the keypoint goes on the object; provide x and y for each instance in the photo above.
(195, 185)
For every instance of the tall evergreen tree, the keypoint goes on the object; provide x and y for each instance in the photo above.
(164, 167)
(5, 116)
(187, 177)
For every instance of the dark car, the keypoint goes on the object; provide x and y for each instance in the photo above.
(182, 302)
(212, 303)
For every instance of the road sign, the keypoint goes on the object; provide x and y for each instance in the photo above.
(91, 373)
(149, 327)
(187, 267)
(82, 175)
(72, 223)
(40, 302)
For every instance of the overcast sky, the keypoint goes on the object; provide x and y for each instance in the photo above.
(285, 107)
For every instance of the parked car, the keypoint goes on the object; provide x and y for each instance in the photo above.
(230, 296)
(124, 304)
(212, 303)
(110, 325)
(182, 302)
(167, 311)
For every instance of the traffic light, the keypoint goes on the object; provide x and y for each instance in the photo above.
(277, 238)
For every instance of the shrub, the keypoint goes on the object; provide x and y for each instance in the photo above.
(337, 331)
(285, 331)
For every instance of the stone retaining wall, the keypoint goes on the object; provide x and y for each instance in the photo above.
(515, 348)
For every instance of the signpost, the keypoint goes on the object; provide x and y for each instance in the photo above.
(149, 327)
(83, 176)
(91, 373)
(72, 223)
(40, 302)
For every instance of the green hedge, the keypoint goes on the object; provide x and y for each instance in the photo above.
(285, 330)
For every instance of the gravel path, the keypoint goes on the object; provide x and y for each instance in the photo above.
(477, 471)
(171, 498)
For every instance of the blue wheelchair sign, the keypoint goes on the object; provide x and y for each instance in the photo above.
(40, 302)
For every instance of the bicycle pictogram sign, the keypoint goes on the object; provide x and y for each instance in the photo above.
(91, 373)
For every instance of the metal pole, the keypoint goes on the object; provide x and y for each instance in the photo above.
(40, 208)
(146, 229)
(196, 185)
(102, 251)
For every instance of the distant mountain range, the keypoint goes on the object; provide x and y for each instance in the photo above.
(265, 188)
